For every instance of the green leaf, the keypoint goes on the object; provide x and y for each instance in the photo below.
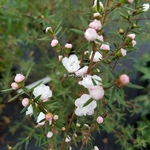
(13, 98)
(28, 72)
(58, 26)
(107, 70)
(88, 102)
(84, 22)
(62, 33)
(24, 109)
(7, 90)
(77, 31)
(134, 86)
(83, 47)
(90, 47)
(58, 31)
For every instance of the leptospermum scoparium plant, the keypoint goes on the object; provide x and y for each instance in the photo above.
(85, 91)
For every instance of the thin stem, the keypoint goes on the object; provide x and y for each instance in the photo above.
(67, 130)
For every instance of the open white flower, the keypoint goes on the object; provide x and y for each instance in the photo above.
(44, 91)
(81, 72)
(96, 92)
(29, 110)
(87, 81)
(145, 7)
(97, 56)
(87, 110)
(72, 64)
(40, 117)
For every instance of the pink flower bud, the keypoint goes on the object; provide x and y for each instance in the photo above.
(124, 79)
(55, 117)
(105, 47)
(99, 120)
(132, 36)
(49, 134)
(19, 78)
(96, 24)
(25, 102)
(96, 148)
(90, 34)
(133, 42)
(130, 1)
(54, 42)
(60, 57)
(49, 116)
(14, 86)
(123, 52)
(96, 92)
(67, 45)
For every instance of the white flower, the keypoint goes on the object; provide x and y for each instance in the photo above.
(49, 134)
(90, 34)
(132, 36)
(123, 52)
(44, 91)
(97, 56)
(133, 42)
(97, 14)
(71, 63)
(96, 92)
(99, 37)
(105, 47)
(29, 110)
(87, 110)
(130, 1)
(87, 81)
(68, 139)
(81, 72)
(96, 148)
(145, 7)
(40, 117)
(96, 24)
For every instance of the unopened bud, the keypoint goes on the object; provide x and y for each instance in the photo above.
(63, 128)
(121, 31)
(49, 116)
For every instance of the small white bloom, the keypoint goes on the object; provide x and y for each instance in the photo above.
(145, 7)
(105, 47)
(49, 134)
(132, 36)
(87, 81)
(123, 52)
(96, 24)
(55, 117)
(87, 110)
(68, 139)
(96, 148)
(99, 37)
(29, 110)
(133, 42)
(40, 117)
(97, 14)
(90, 34)
(130, 1)
(72, 63)
(81, 72)
(97, 56)
(60, 57)
(44, 91)
(99, 119)
(47, 29)
(96, 92)
(67, 45)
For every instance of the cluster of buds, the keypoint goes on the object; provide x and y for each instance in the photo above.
(19, 81)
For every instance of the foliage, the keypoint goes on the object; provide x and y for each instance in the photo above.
(112, 106)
